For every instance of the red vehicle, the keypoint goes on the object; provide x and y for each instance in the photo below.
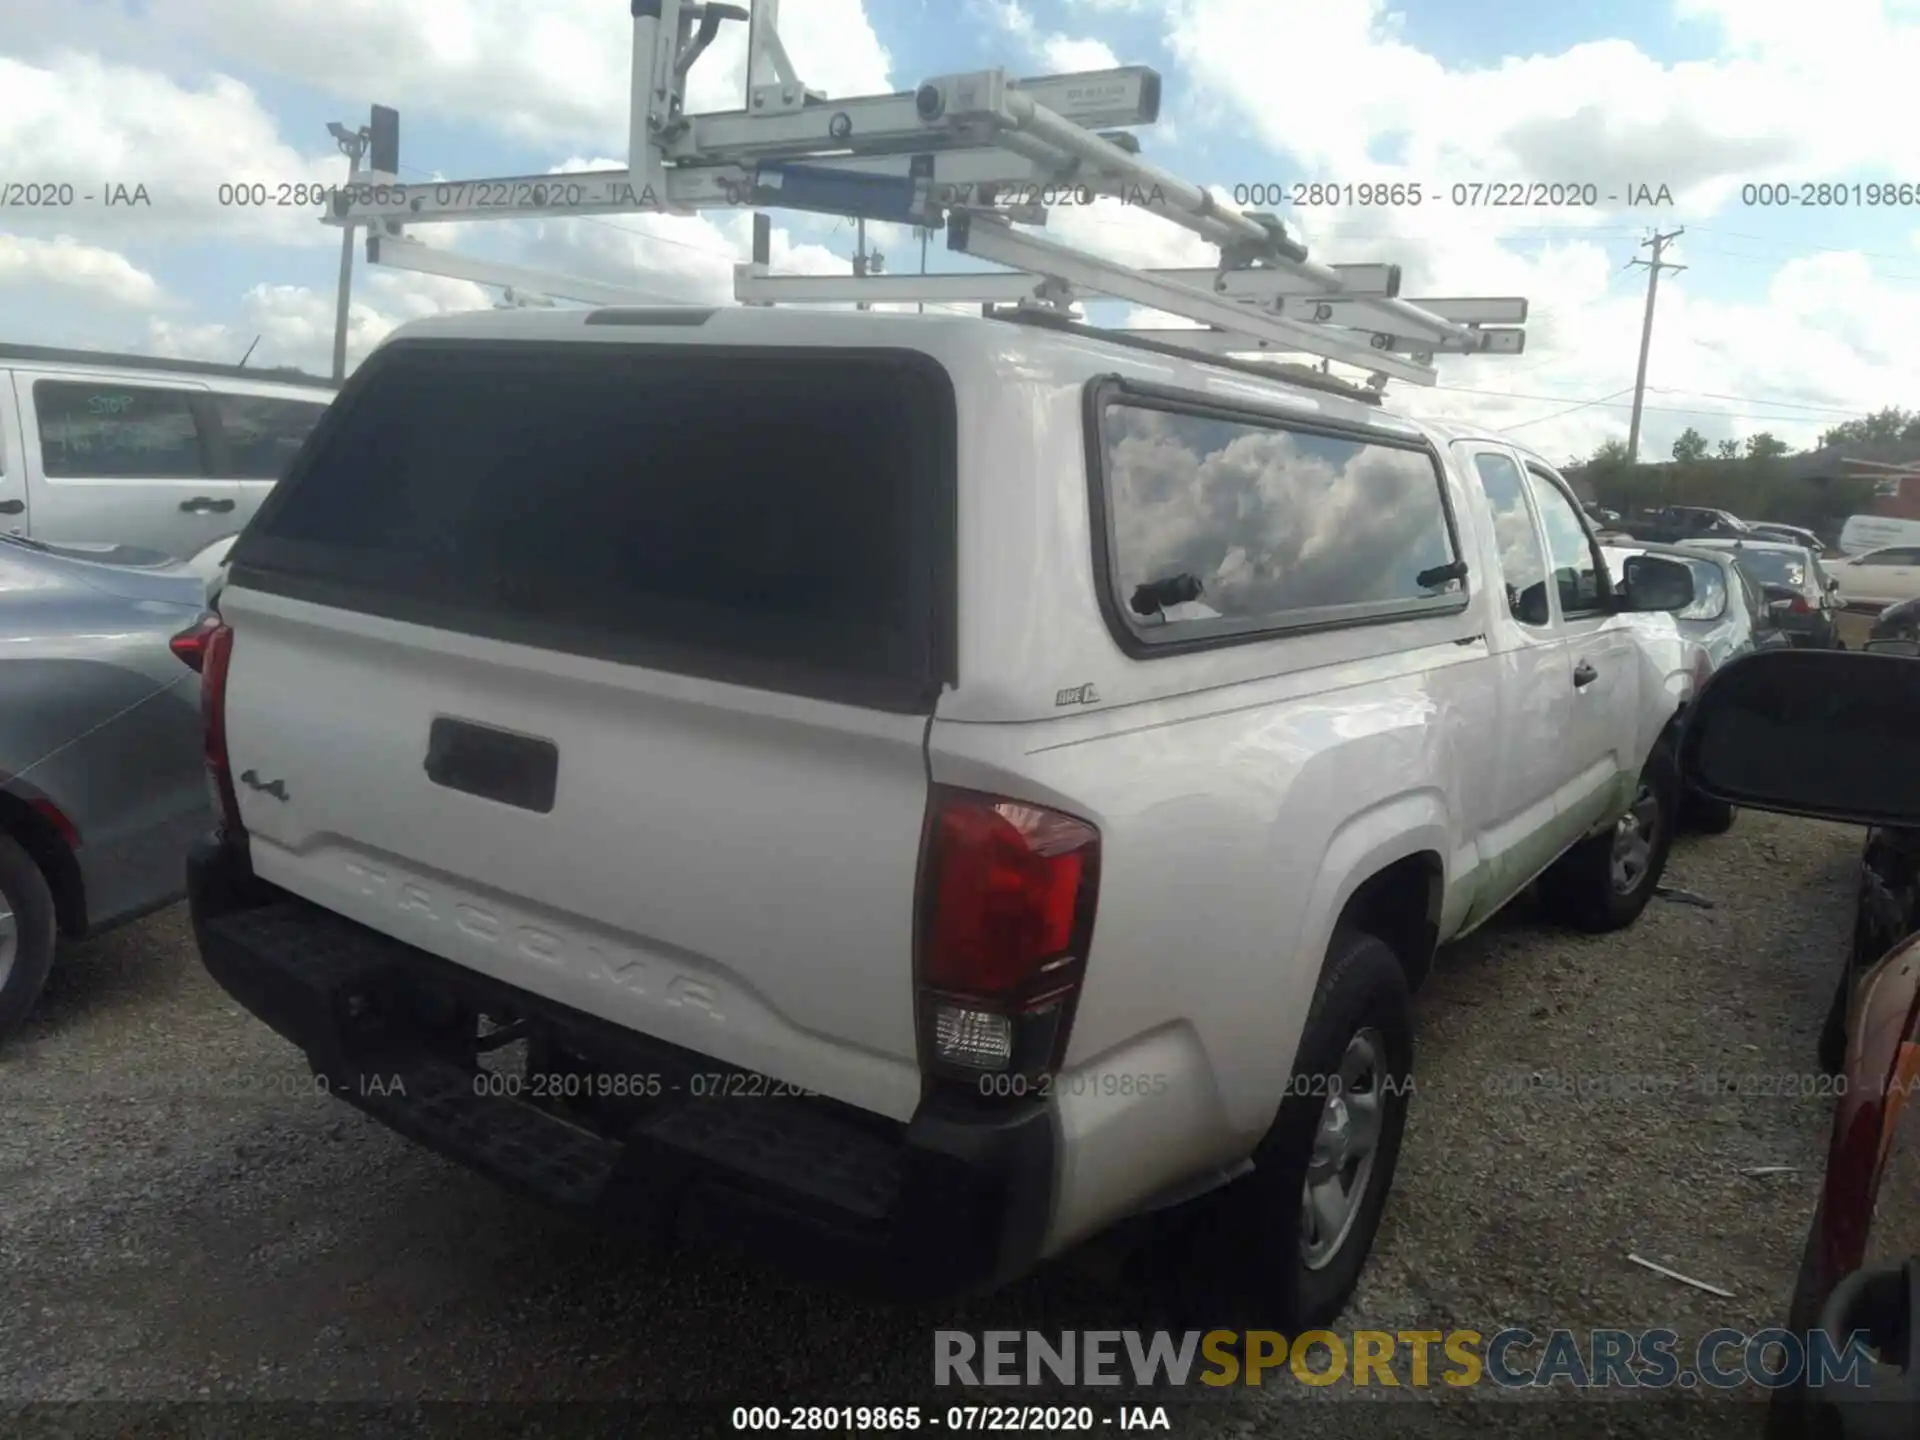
(1828, 734)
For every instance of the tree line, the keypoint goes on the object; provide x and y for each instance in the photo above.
(1748, 478)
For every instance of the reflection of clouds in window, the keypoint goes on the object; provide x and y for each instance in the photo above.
(1520, 559)
(1568, 544)
(1523, 565)
(1270, 520)
(1709, 592)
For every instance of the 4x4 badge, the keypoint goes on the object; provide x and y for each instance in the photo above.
(276, 788)
(1078, 695)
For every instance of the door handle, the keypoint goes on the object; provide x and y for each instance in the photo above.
(12, 507)
(1584, 675)
(205, 504)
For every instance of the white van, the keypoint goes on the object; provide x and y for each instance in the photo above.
(1862, 533)
(165, 455)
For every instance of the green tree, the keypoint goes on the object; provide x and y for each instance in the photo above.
(1611, 454)
(1729, 450)
(1765, 446)
(1892, 423)
(1691, 445)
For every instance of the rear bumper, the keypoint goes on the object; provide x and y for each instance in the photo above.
(954, 1201)
(1817, 632)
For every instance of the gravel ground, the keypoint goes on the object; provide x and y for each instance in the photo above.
(182, 1219)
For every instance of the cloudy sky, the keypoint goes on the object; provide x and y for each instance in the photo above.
(1788, 319)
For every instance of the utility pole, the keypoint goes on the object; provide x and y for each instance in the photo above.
(353, 144)
(865, 263)
(1659, 243)
(860, 256)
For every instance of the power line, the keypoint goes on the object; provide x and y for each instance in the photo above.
(1650, 409)
(1758, 400)
(1555, 415)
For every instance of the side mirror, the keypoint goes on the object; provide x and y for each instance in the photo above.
(1808, 732)
(1652, 582)
(1833, 584)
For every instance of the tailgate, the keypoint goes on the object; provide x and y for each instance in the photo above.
(617, 688)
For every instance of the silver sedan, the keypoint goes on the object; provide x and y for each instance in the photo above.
(102, 785)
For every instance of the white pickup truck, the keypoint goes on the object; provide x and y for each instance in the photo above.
(913, 791)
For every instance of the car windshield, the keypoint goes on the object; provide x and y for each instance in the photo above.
(1776, 567)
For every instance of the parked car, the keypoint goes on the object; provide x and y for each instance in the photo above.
(821, 766)
(1825, 735)
(1788, 535)
(1879, 577)
(1896, 630)
(1602, 518)
(166, 455)
(101, 782)
(1672, 524)
(1728, 618)
(1802, 597)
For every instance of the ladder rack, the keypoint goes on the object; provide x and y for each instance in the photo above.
(976, 154)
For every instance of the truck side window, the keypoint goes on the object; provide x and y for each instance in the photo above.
(1523, 565)
(264, 434)
(105, 430)
(1574, 569)
(1220, 524)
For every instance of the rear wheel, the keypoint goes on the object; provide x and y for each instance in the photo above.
(26, 934)
(1282, 1248)
(1604, 882)
(1709, 817)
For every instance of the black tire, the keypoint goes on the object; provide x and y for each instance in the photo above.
(24, 898)
(1707, 817)
(1832, 1052)
(1240, 1258)
(1580, 890)
(1790, 1414)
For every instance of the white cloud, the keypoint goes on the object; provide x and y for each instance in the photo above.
(1785, 99)
(295, 324)
(80, 122)
(30, 263)
(1066, 54)
(1061, 53)
(1791, 98)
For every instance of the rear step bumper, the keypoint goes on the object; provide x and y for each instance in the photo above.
(949, 1203)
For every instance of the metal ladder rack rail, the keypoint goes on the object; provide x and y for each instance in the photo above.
(946, 155)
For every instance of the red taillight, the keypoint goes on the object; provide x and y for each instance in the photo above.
(1798, 606)
(215, 657)
(190, 645)
(1010, 891)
